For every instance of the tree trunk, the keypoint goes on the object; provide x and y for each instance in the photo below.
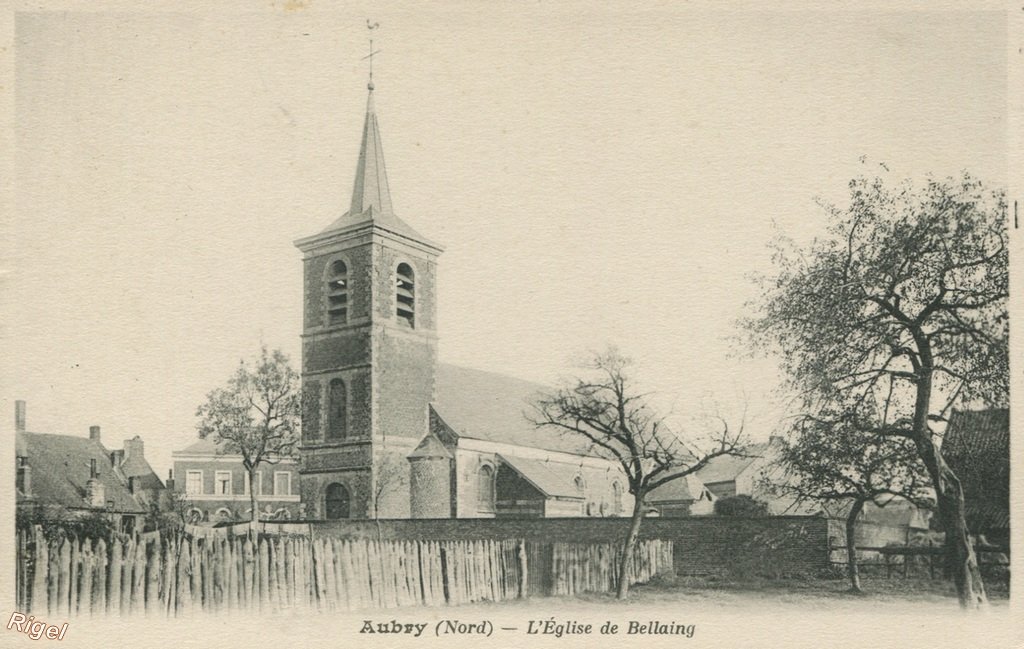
(948, 492)
(252, 496)
(630, 543)
(851, 545)
(960, 556)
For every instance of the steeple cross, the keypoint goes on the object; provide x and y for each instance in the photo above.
(370, 56)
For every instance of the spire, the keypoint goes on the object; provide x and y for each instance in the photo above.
(371, 186)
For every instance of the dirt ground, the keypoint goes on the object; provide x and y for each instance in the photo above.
(789, 614)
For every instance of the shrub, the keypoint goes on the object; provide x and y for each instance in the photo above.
(740, 506)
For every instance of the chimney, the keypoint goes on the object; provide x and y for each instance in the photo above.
(116, 457)
(94, 489)
(24, 477)
(94, 433)
(170, 480)
(19, 416)
(133, 447)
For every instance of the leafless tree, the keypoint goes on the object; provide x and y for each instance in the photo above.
(605, 410)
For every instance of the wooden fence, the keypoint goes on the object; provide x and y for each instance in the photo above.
(177, 574)
(930, 558)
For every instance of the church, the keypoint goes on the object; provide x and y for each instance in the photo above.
(388, 431)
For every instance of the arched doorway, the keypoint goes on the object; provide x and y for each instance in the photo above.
(337, 501)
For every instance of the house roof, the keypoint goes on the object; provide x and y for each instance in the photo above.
(726, 468)
(553, 479)
(685, 489)
(60, 470)
(493, 407)
(977, 448)
(136, 466)
(204, 446)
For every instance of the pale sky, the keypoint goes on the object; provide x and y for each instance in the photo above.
(597, 174)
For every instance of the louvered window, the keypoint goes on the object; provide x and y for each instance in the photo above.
(405, 295)
(337, 293)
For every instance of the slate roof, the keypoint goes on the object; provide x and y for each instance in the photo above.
(387, 221)
(430, 447)
(136, 466)
(685, 489)
(199, 447)
(553, 479)
(60, 470)
(493, 407)
(977, 447)
(726, 468)
(203, 446)
(371, 196)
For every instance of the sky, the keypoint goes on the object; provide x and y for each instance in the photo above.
(597, 175)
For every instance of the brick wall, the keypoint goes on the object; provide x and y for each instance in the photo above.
(237, 502)
(404, 365)
(707, 545)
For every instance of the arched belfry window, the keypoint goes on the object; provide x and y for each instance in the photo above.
(337, 503)
(337, 293)
(337, 424)
(485, 487)
(405, 295)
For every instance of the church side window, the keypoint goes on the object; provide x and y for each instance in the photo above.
(485, 487)
(336, 415)
(405, 295)
(616, 495)
(337, 293)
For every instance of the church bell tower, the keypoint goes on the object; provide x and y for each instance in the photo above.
(369, 349)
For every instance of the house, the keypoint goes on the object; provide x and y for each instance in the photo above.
(977, 447)
(735, 475)
(69, 476)
(895, 522)
(215, 485)
(388, 431)
(687, 496)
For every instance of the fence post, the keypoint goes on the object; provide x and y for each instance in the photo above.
(931, 561)
(42, 564)
(100, 601)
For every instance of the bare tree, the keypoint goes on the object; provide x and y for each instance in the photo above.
(896, 315)
(829, 461)
(169, 511)
(256, 415)
(606, 411)
(391, 478)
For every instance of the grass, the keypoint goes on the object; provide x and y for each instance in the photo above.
(801, 591)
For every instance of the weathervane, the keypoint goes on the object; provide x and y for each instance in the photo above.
(371, 27)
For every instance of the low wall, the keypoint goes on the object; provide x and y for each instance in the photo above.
(774, 546)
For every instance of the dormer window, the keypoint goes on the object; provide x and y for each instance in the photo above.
(337, 293)
(405, 295)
